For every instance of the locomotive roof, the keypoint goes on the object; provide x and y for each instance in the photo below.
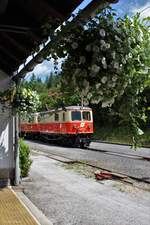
(77, 107)
(67, 108)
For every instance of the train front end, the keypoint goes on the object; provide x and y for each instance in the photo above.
(80, 126)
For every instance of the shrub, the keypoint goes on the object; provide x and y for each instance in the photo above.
(25, 161)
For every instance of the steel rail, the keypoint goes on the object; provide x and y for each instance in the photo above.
(114, 173)
(120, 154)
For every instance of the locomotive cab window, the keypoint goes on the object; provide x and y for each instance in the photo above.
(76, 115)
(64, 116)
(86, 115)
(56, 117)
(31, 119)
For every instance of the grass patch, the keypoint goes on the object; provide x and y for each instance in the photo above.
(83, 169)
(120, 135)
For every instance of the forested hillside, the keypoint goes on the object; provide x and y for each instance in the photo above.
(106, 65)
(109, 126)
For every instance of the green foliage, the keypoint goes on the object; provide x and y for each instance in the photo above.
(25, 100)
(7, 97)
(21, 98)
(118, 134)
(52, 81)
(108, 60)
(114, 134)
(52, 94)
(35, 84)
(25, 161)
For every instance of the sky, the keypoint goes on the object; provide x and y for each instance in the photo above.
(123, 7)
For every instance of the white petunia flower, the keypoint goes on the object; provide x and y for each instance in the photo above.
(88, 48)
(125, 85)
(140, 132)
(74, 80)
(102, 33)
(126, 57)
(77, 71)
(85, 102)
(102, 42)
(84, 92)
(95, 49)
(113, 84)
(114, 78)
(95, 68)
(98, 85)
(104, 79)
(107, 45)
(100, 92)
(130, 55)
(95, 101)
(105, 66)
(89, 95)
(103, 60)
(84, 73)
(109, 84)
(117, 38)
(108, 103)
(86, 83)
(113, 54)
(92, 74)
(116, 65)
(105, 104)
(82, 60)
(123, 61)
(74, 45)
(72, 36)
(122, 92)
(140, 38)
(104, 63)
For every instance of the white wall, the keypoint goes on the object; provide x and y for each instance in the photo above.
(5, 81)
(6, 135)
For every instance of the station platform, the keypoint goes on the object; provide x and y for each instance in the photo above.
(13, 211)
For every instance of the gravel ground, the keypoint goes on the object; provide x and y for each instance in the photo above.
(68, 198)
(128, 166)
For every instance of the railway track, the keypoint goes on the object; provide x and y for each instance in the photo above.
(115, 174)
(107, 152)
(125, 155)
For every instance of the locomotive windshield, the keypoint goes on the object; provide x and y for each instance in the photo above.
(75, 115)
(86, 115)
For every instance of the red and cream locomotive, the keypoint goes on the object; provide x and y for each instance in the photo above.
(72, 125)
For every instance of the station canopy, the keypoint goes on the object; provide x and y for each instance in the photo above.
(22, 27)
(26, 24)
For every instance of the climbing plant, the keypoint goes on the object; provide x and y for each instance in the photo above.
(20, 99)
(106, 59)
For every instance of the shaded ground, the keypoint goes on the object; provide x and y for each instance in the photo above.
(128, 166)
(68, 198)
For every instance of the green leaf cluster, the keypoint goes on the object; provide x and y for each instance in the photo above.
(25, 161)
(107, 60)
